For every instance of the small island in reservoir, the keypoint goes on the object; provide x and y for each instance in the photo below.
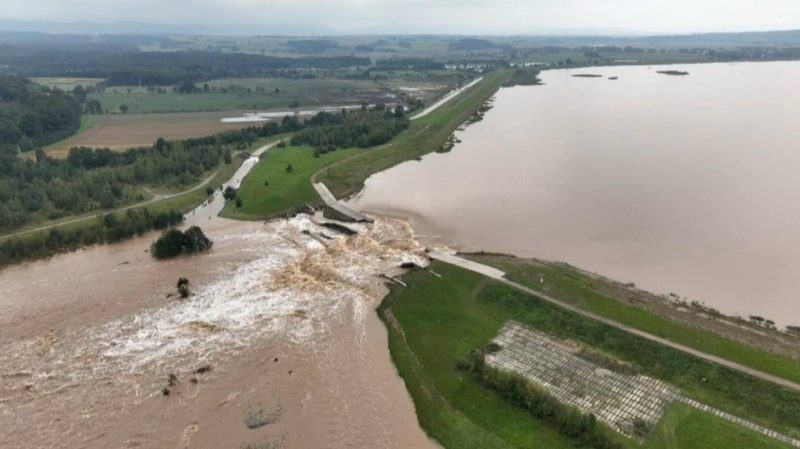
(673, 72)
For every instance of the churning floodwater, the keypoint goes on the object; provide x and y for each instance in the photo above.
(684, 184)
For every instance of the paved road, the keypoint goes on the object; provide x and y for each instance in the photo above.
(493, 273)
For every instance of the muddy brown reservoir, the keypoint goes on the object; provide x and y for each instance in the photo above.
(679, 184)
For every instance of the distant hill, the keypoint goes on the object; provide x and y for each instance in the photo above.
(467, 44)
(138, 28)
(64, 34)
(744, 39)
(787, 37)
(311, 46)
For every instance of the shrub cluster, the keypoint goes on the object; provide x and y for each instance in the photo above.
(517, 390)
(174, 243)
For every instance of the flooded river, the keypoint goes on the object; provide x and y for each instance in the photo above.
(278, 346)
(284, 319)
(685, 184)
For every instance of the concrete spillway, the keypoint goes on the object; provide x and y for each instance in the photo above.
(334, 204)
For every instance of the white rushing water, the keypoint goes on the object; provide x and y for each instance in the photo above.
(301, 276)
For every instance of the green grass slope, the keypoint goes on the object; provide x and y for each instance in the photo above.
(270, 190)
(435, 322)
(573, 286)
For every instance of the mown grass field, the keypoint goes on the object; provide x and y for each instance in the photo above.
(285, 191)
(572, 286)
(435, 322)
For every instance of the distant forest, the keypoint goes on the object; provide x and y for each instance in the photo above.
(160, 68)
(32, 115)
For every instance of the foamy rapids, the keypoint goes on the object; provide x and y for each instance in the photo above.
(295, 284)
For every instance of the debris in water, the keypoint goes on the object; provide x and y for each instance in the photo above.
(256, 417)
(339, 228)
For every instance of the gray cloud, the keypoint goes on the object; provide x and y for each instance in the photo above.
(426, 16)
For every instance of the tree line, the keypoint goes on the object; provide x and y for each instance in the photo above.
(360, 128)
(161, 68)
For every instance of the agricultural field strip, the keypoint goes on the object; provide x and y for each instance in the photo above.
(616, 399)
(483, 269)
(445, 99)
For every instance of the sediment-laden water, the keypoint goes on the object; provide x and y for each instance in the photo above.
(282, 313)
(684, 184)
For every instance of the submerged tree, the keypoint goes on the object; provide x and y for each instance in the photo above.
(174, 243)
(183, 287)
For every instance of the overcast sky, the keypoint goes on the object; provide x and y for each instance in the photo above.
(426, 16)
